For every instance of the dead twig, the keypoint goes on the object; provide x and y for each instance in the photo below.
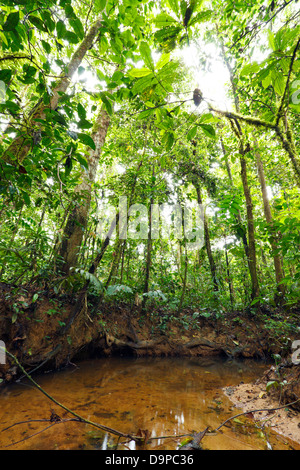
(256, 411)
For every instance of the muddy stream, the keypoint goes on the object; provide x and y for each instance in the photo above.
(166, 396)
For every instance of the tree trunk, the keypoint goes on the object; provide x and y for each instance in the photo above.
(229, 279)
(273, 239)
(252, 263)
(251, 233)
(21, 145)
(186, 262)
(238, 216)
(77, 220)
(207, 239)
(149, 251)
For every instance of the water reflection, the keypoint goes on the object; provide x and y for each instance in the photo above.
(166, 396)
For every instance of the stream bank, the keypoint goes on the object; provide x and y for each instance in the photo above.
(43, 332)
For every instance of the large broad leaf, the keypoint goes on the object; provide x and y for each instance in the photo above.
(208, 130)
(201, 17)
(174, 6)
(5, 75)
(100, 5)
(249, 69)
(278, 82)
(191, 133)
(11, 22)
(81, 111)
(163, 19)
(84, 124)
(82, 160)
(38, 23)
(61, 29)
(162, 61)
(77, 27)
(145, 52)
(271, 39)
(86, 140)
(138, 73)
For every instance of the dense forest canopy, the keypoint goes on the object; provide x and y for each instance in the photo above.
(186, 103)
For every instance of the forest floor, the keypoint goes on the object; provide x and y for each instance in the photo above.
(49, 331)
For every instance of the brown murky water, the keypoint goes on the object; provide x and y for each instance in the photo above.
(168, 397)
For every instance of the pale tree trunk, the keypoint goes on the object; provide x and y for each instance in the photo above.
(184, 281)
(149, 251)
(243, 150)
(251, 233)
(238, 216)
(207, 238)
(278, 265)
(21, 145)
(77, 220)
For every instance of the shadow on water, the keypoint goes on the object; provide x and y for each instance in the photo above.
(166, 396)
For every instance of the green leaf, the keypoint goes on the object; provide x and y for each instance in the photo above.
(169, 140)
(271, 40)
(163, 19)
(208, 130)
(81, 111)
(46, 17)
(138, 73)
(272, 383)
(84, 124)
(145, 52)
(162, 61)
(61, 29)
(107, 103)
(201, 17)
(5, 75)
(46, 46)
(278, 82)
(35, 297)
(71, 37)
(12, 21)
(38, 23)
(174, 6)
(86, 140)
(145, 114)
(99, 5)
(26, 197)
(191, 133)
(250, 69)
(82, 160)
(266, 82)
(77, 27)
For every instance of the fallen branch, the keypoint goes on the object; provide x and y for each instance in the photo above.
(256, 411)
(79, 418)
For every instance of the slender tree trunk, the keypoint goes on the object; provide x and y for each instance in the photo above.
(229, 279)
(252, 262)
(285, 136)
(22, 144)
(278, 265)
(238, 216)
(114, 223)
(186, 262)
(122, 261)
(115, 263)
(251, 232)
(149, 251)
(207, 239)
(77, 220)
